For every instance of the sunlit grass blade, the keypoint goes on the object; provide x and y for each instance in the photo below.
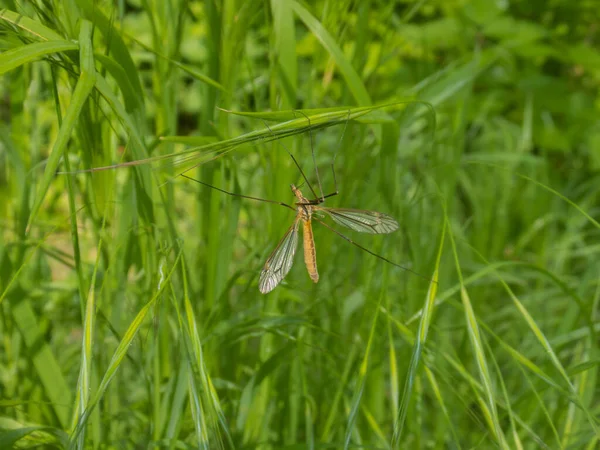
(118, 49)
(419, 344)
(15, 435)
(85, 372)
(467, 378)
(355, 402)
(121, 352)
(85, 84)
(489, 404)
(205, 403)
(294, 124)
(33, 27)
(339, 392)
(285, 45)
(542, 406)
(16, 57)
(440, 400)
(353, 80)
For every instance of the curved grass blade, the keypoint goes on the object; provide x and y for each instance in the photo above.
(362, 377)
(85, 371)
(545, 343)
(203, 397)
(121, 352)
(285, 49)
(353, 80)
(488, 405)
(196, 156)
(85, 84)
(10, 435)
(419, 344)
(24, 54)
(118, 49)
(187, 69)
(31, 26)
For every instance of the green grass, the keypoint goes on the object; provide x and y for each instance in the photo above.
(130, 310)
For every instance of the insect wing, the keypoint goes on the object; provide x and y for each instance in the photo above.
(280, 261)
(372, 222)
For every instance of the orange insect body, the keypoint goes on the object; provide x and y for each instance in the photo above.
(310, 253)
(304, 211)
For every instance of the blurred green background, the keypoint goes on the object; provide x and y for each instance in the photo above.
(130, 310)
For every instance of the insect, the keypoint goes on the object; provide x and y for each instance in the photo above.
(280, 262)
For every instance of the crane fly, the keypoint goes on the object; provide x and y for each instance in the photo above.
(280, 261)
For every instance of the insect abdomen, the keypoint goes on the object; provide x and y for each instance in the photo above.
(310, 253)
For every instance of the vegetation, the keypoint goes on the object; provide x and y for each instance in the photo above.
(131, 315)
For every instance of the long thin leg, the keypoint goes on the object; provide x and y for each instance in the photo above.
(335, 155)
(312, 150)
(320, 200)
(238, 195)
(295, 162)
(372, 253)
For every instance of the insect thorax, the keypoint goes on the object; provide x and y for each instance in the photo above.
(305, 211)
(303, 206)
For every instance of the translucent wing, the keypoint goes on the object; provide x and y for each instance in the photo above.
(372, 222)
(280, 261)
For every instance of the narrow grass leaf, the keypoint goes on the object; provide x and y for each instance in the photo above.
(442, 85)
(440, 400)
(198, 416)
(393, 363)
(118, 49)
(362, 377)
(43, 436)
(477, 347)
(121, 351)
(85, 371)
(544, 342)
(189, 140)
(339, 392)
(480, 358)
(193, 157)
(464, 374)
(517, 440)
(185, 67)
(133, 103)
(33, 27)
(547, 188)
(372, 422)
(47, 367)
(540, 402)
(198, 365)
(419, 345)
(84, 87)
(353, 80)
(18, 56)
(285, 49)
